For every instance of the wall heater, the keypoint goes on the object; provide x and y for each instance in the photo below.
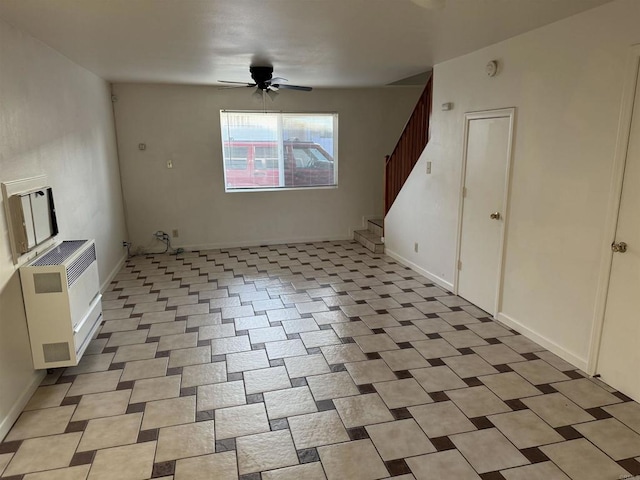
(61, 293)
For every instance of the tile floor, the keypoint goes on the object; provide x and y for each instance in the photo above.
(314, 361)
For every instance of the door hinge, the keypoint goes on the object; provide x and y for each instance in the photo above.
(459, 264)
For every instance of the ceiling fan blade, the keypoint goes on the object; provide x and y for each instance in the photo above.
(294, 87)
(246, 84)
(235, 86)
(278, 80)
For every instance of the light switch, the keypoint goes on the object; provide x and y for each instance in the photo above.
(428, 168)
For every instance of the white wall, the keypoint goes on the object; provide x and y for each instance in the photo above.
(55, 119)
(566, 82)
(182, 124)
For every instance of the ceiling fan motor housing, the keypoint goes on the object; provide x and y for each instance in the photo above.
(261, 75)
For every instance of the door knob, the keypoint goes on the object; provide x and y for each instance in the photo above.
(619, 247)
(495, 216)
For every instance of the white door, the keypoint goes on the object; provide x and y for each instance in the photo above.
(619, 358)
(486, 174)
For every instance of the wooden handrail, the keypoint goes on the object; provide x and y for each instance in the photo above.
(410, 146)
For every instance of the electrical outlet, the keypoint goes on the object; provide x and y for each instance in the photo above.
(415, 247)
(175, 233)
(169, 163)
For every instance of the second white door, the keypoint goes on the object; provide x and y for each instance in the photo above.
(485, 188)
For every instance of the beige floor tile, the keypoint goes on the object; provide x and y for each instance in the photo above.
(289, 402)
(110, 432)
(433, 325)
(370, 371)
(405, 359)
(466, 366)
(555, 361)
(98, 405)
(382, 320)
(285, 348)
(242, 420)
(437, 379)
(131, 462)
(138, 369)
(440, 419)
(509, 385)
(266, 380)
(38, 423)
(488, 450)
(183, 441)
(628, 413)
(441, 465)
(431, 307)
(525, 429)
(581, 460)
(306, 365)
(376, 343)
(195, 309)
(477, 401)
(557, 410)
(167, 328)
(95, 383)
(612, 437)
(47, 396)
(458, 318)
(326, 318)
(410, 333)
(316, 429)
(489, 330)
(308, 471)
(143, 351)
(521, 344)
(166, 413)
(204, 374)
(72, 473)
(209, 332)
(402, 393)
(399, 439)
(538, 372)
(311, 307)
(268, 334)
(250, 360)
(362, 410)
(204, 320)
(342, 353)
(437, 348)
(182, 340)
(235, 312)
(351, 329)
(223, 465)
(190, 356)
(45, 453)
(406, 313)
(118, 339)
(157, 316)
(538, 471)
(151, 389)
(339, 465)
(246, 323)
(153, 307)
(408, 476)
(265, 451)
(117, 314)
(585, 393)
(96, 346)
(91, 364)
(282, 314)
(498, 354)
(319, 338)
(221, 395)
(332, 385)
(463, 339)
(300, 325)
(222, 346)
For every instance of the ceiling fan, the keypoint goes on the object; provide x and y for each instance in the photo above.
(264, 82)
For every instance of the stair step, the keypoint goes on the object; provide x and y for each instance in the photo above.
(376, 225)
(369, 240)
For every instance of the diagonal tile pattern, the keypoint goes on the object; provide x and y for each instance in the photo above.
(319, 361)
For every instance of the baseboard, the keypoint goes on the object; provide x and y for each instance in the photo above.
(113, 273)
(8, 421)
(255, 243)
(408, 263)
(550, 345)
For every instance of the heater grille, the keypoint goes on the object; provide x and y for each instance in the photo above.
(60, 253)
(80, 264)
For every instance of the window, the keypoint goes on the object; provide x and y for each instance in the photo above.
(269, 151)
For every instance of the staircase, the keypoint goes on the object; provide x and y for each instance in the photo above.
(371, 238)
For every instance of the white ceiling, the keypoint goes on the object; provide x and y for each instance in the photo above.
(321, 43)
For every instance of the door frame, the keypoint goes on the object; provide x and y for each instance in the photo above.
(509, 113)
(613, 207)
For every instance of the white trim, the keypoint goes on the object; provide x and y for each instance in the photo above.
(509, 113)
(8, 421)
(615, 192)
(113, 273)
(550, 345)
(408, 263)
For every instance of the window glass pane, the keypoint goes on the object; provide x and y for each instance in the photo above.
(274, 150)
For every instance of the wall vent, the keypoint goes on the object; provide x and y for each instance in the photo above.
(80, 264)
